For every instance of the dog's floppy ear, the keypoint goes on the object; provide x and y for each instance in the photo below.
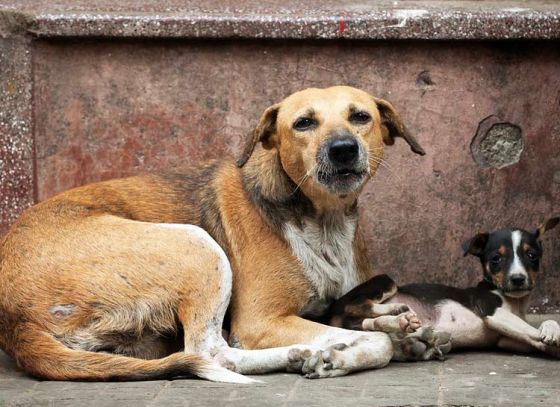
(392, 126)
(476, 245)
(262, 133)
(546, 226)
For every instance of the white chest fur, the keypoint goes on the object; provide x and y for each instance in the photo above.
(325, 249)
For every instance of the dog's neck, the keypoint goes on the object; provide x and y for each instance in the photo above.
(279, 198)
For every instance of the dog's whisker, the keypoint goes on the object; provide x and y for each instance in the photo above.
(304, 178)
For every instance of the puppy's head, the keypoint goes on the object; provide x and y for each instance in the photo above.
(330, 141)
(510, 257)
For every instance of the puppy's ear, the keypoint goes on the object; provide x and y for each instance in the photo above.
(476, 245)
(546, 226)
(263, 132)
(392, 126)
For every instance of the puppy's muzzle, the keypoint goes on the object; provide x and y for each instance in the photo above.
(517, 286)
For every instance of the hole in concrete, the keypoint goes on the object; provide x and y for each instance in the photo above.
(424, 79)
(497, 143)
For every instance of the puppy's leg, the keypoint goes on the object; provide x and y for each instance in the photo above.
(513, 327)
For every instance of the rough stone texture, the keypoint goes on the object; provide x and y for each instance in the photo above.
(288, 19)
(16, 139)
(108, 109)
(465, 379)
(497, 144)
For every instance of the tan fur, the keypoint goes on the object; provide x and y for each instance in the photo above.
(88, 268)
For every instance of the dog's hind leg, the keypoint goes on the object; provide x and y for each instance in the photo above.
(202, 316)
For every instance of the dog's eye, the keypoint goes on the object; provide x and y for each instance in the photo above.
(304, 123)
(360, 117)
(496, 259)
(531, 255)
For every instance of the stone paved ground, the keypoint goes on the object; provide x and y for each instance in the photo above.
(467, 378)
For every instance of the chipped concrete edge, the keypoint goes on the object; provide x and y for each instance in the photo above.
(14, 22)
(379, 24)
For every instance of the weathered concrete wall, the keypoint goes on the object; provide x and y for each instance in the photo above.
(16, 138)
(107, 109)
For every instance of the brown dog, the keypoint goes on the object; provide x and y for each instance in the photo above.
(112, 280)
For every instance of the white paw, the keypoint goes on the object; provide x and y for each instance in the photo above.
(550, 333)
(326, 363)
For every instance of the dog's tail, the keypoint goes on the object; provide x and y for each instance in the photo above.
(43, 356)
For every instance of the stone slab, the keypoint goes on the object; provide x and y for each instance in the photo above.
(290, 19)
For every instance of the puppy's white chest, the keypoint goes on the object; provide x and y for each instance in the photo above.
(327, 255)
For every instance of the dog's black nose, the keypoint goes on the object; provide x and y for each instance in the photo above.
(517, 280)
(344, 151)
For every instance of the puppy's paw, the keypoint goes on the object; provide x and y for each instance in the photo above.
(399, 309)
(404, 323)
(424, 344)
(326, 363)
(550, 333)
(409, 322)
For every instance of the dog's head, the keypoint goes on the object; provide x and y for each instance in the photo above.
(510, 257)
(330, 141)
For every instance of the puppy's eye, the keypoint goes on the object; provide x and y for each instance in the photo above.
(496, 259)
(360, 117)
(304, 123)
(531, 255)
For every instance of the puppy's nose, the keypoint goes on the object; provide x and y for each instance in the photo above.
(517, 280)
(343, 151)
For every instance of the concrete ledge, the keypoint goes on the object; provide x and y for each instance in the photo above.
(291, 19)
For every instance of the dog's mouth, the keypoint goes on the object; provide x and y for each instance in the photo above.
(517, 293)
(342, 180)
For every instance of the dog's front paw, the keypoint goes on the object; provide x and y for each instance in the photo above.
(424, 344)
(550, 333)
(296, 359)
(326, 363)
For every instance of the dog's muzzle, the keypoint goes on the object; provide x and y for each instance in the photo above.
(341, 163)
(343, 152)
(517, 286)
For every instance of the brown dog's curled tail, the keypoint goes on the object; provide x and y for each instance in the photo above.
(43, 356)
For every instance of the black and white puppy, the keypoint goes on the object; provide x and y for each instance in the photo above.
(490, 314)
